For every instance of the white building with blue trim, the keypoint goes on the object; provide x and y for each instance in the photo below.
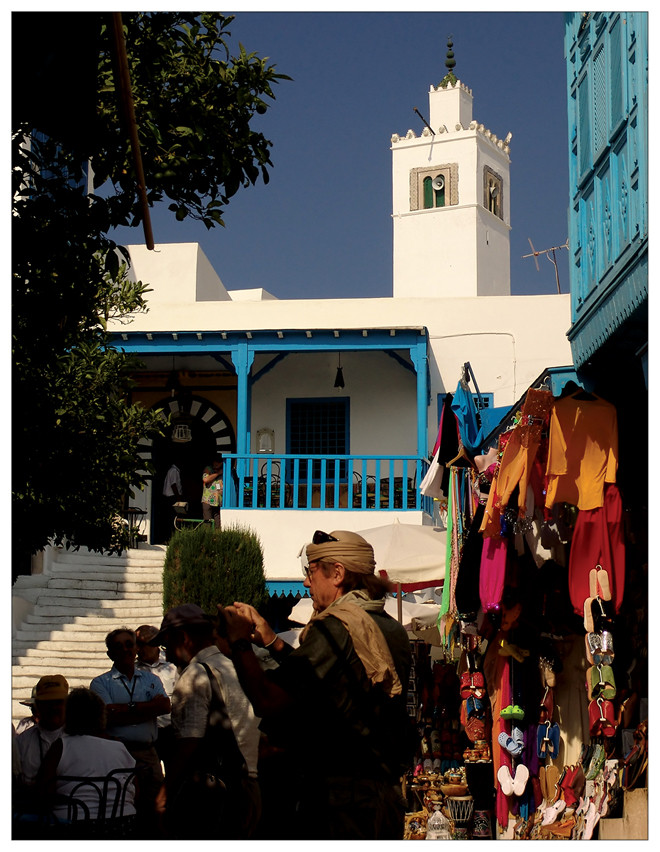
(255, 377)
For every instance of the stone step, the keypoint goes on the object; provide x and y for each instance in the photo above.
(111, 592)
(112, 608)
(28, 675)
(95, 626)
(129, 584)
(41, 634)
(136, 557)
(134, 575)
(27, 656)
(78, 569)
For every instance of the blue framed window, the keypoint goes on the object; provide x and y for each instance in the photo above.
(318, 426)
(486, 402)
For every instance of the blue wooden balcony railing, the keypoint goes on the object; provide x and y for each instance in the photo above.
(324, 482)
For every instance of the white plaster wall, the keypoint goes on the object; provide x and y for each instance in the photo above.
(435, 253)
(178, 273)
(450, 106)
(283, 532)
(493, 255)
(382, 398)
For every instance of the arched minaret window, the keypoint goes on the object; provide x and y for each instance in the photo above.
(434, 191)
(493, 192)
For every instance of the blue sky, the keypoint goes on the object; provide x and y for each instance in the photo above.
(322, 226)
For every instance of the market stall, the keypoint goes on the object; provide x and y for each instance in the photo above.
(531, 699)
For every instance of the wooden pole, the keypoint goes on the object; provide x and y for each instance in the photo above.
(126, 98)
(399, 603)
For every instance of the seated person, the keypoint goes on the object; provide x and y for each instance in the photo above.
(84, 752)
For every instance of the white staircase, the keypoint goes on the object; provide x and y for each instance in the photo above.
(72, 606)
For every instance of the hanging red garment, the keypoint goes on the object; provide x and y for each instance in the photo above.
(583, 451)
(498, 678)
(598, 540)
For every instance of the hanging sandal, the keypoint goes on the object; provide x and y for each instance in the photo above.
(600, 682)
(509, 744)
(552, 778)
(603, 580)
(520, 779)
(505, 779)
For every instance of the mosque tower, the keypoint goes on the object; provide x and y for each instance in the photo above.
(450, 201)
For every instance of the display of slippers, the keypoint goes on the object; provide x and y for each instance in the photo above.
(513, 786)
(505, 779)
(547, 740)
(520, 779)
(513, 711)
(552, 812)
(600, 682)
(603, 580)
(509, 744)
(552, 778)
(602, 721)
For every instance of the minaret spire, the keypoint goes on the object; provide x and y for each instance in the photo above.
(450, 64)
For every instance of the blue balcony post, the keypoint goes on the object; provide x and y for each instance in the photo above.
(419, 357)
(243, 358)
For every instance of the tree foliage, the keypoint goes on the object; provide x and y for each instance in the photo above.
(76, 433)
(208, 567)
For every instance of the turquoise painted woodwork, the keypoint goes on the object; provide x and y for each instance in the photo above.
(289, 481)
(607, 85)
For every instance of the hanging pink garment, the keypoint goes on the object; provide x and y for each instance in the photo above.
(598, 540)
(492, 571)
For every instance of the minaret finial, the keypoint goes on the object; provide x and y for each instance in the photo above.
(450, 64)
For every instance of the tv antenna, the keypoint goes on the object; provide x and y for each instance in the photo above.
(547, 252)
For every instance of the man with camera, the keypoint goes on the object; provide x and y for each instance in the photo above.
(337, 702)
(216, 735)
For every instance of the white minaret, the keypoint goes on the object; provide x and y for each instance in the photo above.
(450, 201)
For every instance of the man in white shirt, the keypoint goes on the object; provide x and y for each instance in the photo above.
(150, 658)
(172, 492)
(188, 636)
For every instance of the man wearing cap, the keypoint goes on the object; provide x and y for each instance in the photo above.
(150, 659)
(189, 639)
(338, 700)
(133, 701)
(49, 701)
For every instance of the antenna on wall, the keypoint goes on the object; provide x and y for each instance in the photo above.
(547, 253)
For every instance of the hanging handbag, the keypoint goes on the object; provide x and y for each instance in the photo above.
(209, 803)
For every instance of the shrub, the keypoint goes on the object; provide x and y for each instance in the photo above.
(208, 567)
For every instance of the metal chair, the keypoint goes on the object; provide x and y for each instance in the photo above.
(103, 817)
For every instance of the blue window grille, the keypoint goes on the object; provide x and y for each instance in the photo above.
(486, 402)
(318, 426)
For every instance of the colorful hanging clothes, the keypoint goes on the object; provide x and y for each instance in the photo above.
(490, 526)
(492, 571)
(520, 452)
(447, 441)
(583, 451)
(598, 540)
(466, 413)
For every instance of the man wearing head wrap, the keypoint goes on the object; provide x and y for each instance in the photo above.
(337, 703)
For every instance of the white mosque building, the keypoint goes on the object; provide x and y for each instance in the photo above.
(255, 377)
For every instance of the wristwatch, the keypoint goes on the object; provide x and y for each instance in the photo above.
(241, 645)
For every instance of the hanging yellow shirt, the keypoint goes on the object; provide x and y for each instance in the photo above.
(583, 452)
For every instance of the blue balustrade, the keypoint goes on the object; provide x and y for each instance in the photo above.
(289, 481)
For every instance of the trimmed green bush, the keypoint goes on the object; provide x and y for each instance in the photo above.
(208, 567)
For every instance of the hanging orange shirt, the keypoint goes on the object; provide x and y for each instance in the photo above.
(583, 451)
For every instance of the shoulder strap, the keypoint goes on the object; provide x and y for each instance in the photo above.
(219, 728)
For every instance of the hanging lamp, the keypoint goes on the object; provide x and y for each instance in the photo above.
(339, 378)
